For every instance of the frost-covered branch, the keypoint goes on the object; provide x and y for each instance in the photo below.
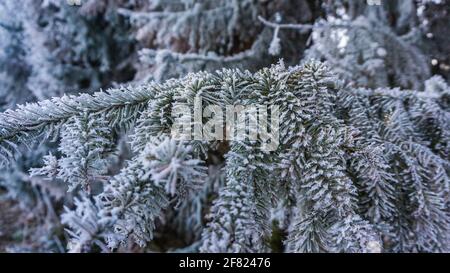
(345, 159)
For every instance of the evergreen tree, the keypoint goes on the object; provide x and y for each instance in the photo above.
(359, 162)
(326, 155)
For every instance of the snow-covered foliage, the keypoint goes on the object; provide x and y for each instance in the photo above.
(355, 177)
(369, 54)
(48, 48)
(177, 37)
(85, 146)
(361, 46)
(362, 162)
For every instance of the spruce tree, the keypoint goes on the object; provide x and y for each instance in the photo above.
(358, 160)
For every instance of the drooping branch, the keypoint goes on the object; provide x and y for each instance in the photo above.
(41, 119)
